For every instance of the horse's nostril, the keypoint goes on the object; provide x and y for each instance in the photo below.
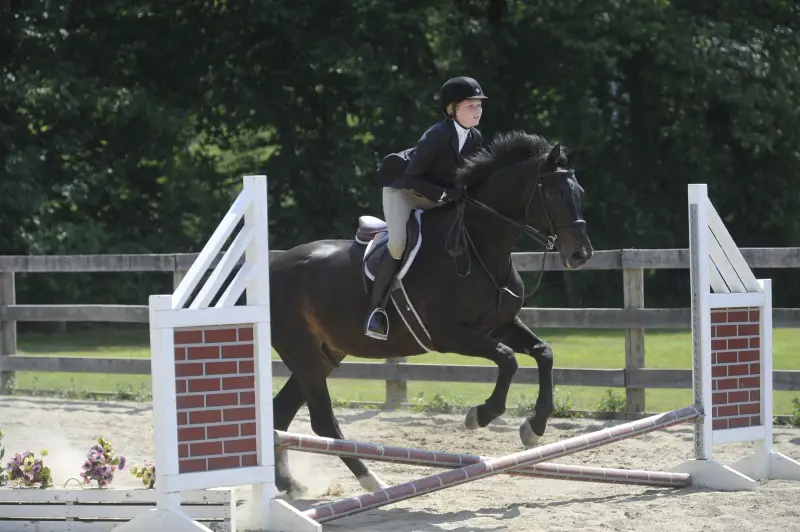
(579, 254)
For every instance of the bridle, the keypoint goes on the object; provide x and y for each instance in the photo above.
(548, 240)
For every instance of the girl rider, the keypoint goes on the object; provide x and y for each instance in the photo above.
(427, 181)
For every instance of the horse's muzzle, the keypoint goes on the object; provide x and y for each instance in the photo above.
(578, 258)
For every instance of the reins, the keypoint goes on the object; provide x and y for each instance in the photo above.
(463, 240)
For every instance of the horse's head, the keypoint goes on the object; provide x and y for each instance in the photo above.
(530, 182)
(555, 208)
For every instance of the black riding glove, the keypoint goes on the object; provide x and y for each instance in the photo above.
(453, 194)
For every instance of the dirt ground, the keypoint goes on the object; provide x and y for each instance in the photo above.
(68, 428)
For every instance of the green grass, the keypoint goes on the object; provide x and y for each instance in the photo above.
(572, 348)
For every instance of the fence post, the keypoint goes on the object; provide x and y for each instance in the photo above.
(396, 391)
(177, 277)
(8, 327)
(633, 286)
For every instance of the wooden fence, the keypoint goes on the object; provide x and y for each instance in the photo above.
(633, 317)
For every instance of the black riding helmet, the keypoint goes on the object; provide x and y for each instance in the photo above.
(458, 89)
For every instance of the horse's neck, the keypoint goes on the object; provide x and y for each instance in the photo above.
(494, 240)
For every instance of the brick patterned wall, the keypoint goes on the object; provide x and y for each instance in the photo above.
(735, 368)
(215, 387)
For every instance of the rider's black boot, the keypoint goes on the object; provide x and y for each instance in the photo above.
(378, 321)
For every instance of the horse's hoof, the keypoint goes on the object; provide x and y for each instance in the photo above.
(471, 421)
(528, 437)
(372, 482)
(296, 490)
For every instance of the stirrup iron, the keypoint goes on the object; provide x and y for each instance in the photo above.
(373, 334)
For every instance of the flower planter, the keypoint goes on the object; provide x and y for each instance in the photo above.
(31, 509)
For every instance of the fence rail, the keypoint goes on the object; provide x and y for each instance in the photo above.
(612, 259)
(633, 317)
(404, 371)
(543, 317)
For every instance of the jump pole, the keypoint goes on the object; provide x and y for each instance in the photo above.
(421, 457)
(494, 466)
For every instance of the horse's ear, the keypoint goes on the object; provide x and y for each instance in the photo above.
(555, 153)
(574, 155)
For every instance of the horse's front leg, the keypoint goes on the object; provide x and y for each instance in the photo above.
(454, 338)
(519, 338)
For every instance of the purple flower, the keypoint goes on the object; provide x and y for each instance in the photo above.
(121, 463)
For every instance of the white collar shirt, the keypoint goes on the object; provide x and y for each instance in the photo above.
(462, 135)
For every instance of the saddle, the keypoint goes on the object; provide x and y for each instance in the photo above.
(373, 234)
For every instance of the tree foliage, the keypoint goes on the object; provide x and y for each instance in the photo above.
(125, 126)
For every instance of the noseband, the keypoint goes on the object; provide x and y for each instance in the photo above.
(548, 240)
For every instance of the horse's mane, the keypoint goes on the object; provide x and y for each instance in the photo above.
(506, 149)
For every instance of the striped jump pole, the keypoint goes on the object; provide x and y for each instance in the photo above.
(494, 466)
(421, 457)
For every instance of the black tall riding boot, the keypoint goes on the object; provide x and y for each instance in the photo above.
(378, 321)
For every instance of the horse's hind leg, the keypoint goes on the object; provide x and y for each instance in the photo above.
(324, 423)
(303, 353)
(285, 405)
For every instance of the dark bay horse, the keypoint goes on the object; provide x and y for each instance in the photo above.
(518, 184)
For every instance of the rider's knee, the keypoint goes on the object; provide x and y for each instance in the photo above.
(396, 249)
